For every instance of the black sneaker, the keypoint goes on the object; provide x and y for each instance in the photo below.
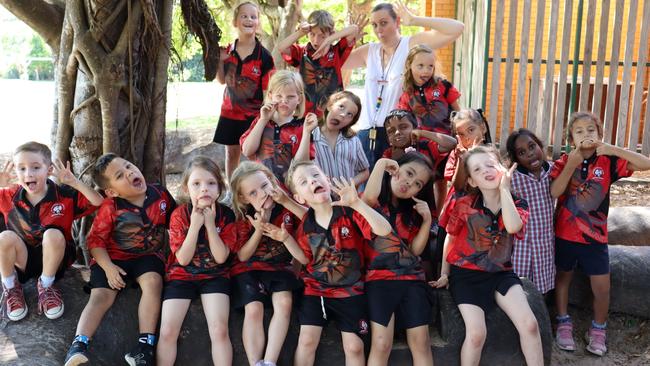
(140, 356)
(76, 354)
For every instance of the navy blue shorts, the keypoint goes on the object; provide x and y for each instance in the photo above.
(592, 259)
(260, 285)
(468, 286)
(180, 289)
(349, 313)
(410, 301)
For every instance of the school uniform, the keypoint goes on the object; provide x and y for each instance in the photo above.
(322, 76)
(431, 150)
(480, 251)
(202, 275)
(58, 209)
(133, 236)
(246, 81)
(431, 104)
(334, 276)
(278, 145)
(270, 268)
(581, 213)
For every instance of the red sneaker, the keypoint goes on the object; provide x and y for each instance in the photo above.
(13, 301)
(49, 301)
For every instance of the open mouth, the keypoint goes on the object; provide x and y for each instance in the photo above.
(137, 182)
(535, 163)
(31, 185)
(319, 189)
(490, 178)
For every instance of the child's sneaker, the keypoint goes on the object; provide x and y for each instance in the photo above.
(49, 301)
(76, 354)
(13, 302)
(596, 339)
(140, 356)
(564, 336)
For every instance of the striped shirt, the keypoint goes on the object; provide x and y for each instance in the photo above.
(534, 255)
(346, 160)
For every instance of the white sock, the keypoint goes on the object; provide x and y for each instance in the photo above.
(8, 282)
(47, 281)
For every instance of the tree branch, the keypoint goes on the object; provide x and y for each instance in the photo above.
(42, 17)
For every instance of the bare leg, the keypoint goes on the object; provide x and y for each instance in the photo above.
(233, 154)
(420, 345)
(216, 308)
(562, 283)
(475, 333)
(515, 305)
(253, 331)
(101, 299)
(53, 251)
(600, 286)
(149, 308)
(382, 342)
(282, 302)
(171, 319)
(13, 253)
(307, 345)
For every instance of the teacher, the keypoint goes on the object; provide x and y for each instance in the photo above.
(384, 62)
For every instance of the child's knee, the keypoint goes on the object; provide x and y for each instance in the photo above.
(421, 343)
(8, 240)
(381, 343)
(476, 336)
(353, 347)
(54, 238)
(101, 298)
(218, 331)
(308, 341)
(254, 311)
(150, 282)
(282, 305)
(168, 333)
(529, 325)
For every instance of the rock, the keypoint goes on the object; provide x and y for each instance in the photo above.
(630, 282)
(502, 343)
(629, 225)
(182, 145)
(36, 340)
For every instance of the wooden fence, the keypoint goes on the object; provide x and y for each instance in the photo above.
(539, 93)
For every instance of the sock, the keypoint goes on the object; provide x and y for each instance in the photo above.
(598, 326)
(566, 318)
(8, 282)
(147, 338)
(81, 338)
(47, 281)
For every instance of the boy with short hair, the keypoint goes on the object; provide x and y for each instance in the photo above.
(38, 216)
(319, 62)
(332, 236)
(126, 241)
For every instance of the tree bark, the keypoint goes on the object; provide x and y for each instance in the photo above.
(44, 18)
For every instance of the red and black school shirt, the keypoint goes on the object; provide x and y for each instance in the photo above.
(203, 266)
(246, 81)
(390, 257)
(426, 147)
(335, 254)
(480, 241)
(58, 209)
(322, 76)
(270, 255)
(278, 145)
(581, 212)
(128, 231)
(430, 103)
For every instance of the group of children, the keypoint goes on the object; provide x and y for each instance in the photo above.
(296, 234)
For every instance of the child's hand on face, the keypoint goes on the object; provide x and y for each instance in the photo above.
(266, 112)
(415, 136)
(506, 176)
(310, 124)
(63, 173)
(7, 174)
(260, 218)
(276, 233)
(605, 149)
(210, 214)
(197, 218)
(278, 195)
(442, 282)
(346, 191)
(575, 158)
(422, 208)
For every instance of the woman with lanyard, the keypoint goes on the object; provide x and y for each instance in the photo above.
(384, 62)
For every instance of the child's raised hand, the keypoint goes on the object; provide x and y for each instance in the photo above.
(114, 275)
(197, 218)
(422, 208)
(575, 158)
(305, 27)
(442, 282)
(7, 174)
(210, 214)
(278, 195)
(63, 173)
(223, 54)
(605, 149)
(390, 165)
(259, 218)
(506, 176)
(276, 233)
(415, 136)
(404, 14)
(310, 124)
(266, 112)
(323, 48)
(346, 191)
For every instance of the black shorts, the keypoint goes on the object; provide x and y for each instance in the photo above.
(179, 289)
(259, 285)
(34, 266)
(134, 268)
(410, 301)
(478, 288)
(593, 259)
(349, 313)
(229, 130)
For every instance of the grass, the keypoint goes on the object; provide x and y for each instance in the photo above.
(192, 122)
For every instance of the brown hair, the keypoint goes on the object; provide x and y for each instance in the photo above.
(207, 164)
(243, 171)
(37, 148)
(385, 6)
(97, 172)
(576, 116)
(489, 149)
(283, 78)
(292, 170)
(409, 83)
(322, 19)
(475, 116)
(347, 131)
(235, 12)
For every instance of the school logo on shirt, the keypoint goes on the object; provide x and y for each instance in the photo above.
(363, 326)
(330, 56)
(57, 209)
(286, 219)
(345, 232)
(218, 230)
(436, 93)
(256, 71)
(163, 207)
(598, 172)
(293, 139)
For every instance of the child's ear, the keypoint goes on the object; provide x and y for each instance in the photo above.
(471, 182)
(298, 199)
(110, 192)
